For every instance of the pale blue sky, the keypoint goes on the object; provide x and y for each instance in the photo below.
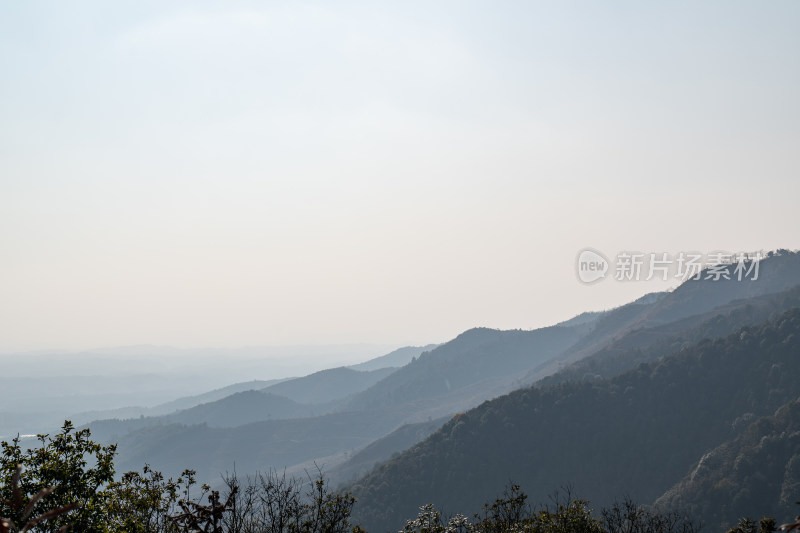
(211, 174)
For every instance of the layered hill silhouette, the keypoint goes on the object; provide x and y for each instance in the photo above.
(636, 433)
(651, 343)
(382, 449)
(344, 428)
(478, 355)
(395, 359)
(328, 385)
(290, 444)
(276, 401)
(623, 401)
(480, 364)
(172, 406)
(693, 298)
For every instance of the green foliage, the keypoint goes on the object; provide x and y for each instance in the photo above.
(745, 525)
(748, 525)
(505, 512)
(77, 472)
(78, 468)
(512, 514)
(575, 516)
(429, 520)
(70, 472)
(23, 508)
(144, 502)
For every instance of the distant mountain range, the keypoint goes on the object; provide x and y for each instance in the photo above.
(633, 418)
(45, 387)
(395, 359)
(634, 400)
(328, 385)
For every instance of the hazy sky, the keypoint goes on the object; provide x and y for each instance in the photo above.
(218, 174)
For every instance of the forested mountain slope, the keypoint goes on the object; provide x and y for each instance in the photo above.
(636, 433)
(650, 343)
(778, 272)
(756, 474)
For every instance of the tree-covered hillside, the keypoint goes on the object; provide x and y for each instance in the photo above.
(756, 474)
(648, 344)
(681, 307)
(636, 433)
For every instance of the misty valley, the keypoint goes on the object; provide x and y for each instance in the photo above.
(676, 412)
